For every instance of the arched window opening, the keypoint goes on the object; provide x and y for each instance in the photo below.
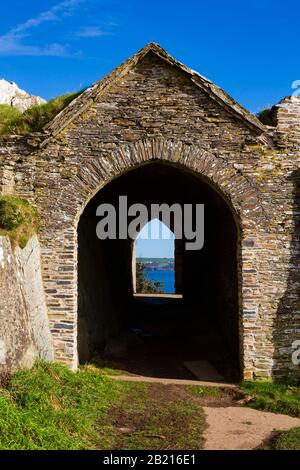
(155, 259)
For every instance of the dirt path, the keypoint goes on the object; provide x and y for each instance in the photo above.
(239, 428)
(157, 417)
(229, 426)
(167, 381)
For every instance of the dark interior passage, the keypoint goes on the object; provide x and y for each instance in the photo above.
(155, 336)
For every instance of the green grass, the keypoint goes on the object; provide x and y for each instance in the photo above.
(275, 397)
(18, 219)
(35, 118)
(49, 407)
(8, 116)
(289, 440)
(157, 419)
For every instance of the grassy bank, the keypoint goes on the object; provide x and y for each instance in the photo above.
(278, 398)
(50, 407)
(18, 220)
(289, 440)
(34, 119)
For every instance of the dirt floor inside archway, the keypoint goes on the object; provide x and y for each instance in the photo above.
(158, 343)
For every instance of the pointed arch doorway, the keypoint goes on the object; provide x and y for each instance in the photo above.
(159, 336)
(155, 261)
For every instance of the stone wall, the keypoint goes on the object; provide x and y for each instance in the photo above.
(152, 109)
(287, 113)
(24, 328)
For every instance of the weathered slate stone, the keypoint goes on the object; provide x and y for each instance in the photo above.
(24, 326)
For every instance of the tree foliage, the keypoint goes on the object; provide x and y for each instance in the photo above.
(145, 285)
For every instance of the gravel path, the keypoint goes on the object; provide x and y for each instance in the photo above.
(239, 428)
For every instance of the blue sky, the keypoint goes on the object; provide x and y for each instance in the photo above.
(250, 48)
(155, 240)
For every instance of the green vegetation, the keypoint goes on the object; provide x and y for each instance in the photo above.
(8, 116)
(156, 417)
(35, 118)
(289, 440)
(50, 407)
(18, 219)
(145, 285)
(275, 397)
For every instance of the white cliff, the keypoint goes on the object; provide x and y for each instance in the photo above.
(12, 95)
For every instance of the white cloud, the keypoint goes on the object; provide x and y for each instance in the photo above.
(12, 42)
(14, 47)
(91, 32)
(45, 16)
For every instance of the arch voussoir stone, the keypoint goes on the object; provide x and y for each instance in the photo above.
(96, 172)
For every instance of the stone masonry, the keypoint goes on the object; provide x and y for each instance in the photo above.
(153, 107)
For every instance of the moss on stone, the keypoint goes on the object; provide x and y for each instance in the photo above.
(18, 220)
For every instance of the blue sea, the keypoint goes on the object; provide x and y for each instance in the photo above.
(166, 277)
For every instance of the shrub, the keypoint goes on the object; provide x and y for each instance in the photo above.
(145, 285)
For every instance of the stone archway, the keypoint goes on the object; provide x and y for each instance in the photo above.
(203, 325)
(232, 186)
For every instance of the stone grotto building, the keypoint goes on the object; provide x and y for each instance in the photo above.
(156, 131)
